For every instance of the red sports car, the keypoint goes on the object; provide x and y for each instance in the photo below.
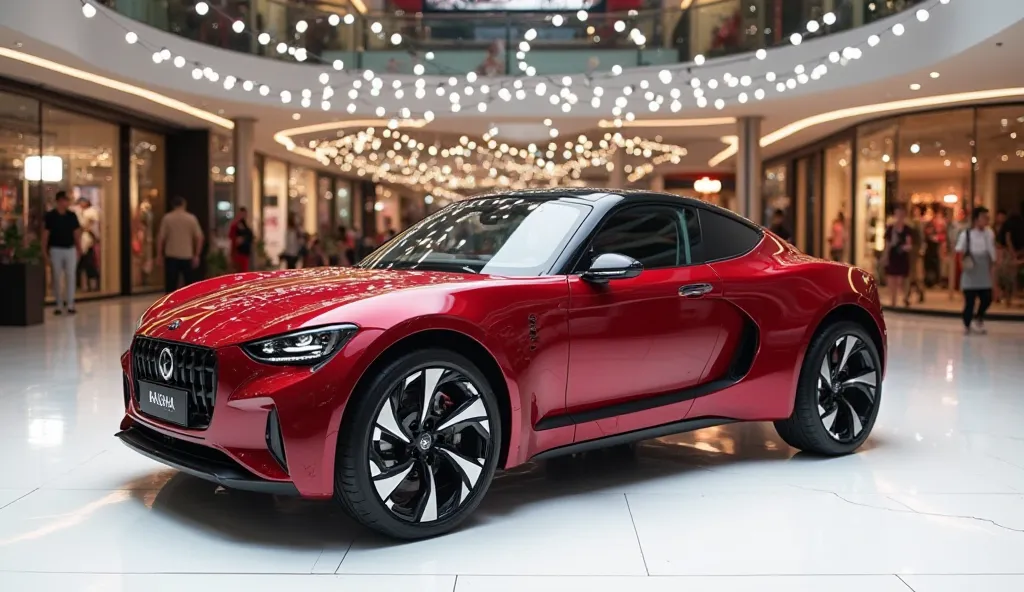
(498, 330)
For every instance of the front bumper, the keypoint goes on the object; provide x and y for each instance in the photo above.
(199, 461)
(272, 429)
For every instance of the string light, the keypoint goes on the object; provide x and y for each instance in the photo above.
(567, 97)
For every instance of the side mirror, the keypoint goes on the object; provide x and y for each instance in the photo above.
(612, 266)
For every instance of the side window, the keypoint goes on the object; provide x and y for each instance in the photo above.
(724, 238)
(650, 234)
(692, 247)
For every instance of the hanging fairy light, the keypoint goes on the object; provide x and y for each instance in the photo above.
(747, 87)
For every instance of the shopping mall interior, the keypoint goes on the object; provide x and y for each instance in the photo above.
(332, 126)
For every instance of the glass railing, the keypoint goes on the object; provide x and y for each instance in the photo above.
(490, 43)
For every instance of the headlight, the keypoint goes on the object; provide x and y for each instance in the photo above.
(301, 348)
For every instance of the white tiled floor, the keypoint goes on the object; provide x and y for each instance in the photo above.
(934, 502)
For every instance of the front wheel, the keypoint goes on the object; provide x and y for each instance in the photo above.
(421, 447)
(838, 393)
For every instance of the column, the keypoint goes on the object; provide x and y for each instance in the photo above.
(657, 183)
(748, 169)
(617, 177)
(188, 176)
(244, 158)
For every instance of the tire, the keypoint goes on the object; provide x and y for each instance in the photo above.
(394, 480)
(833, 416)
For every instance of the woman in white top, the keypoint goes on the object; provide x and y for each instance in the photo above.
(977, 247)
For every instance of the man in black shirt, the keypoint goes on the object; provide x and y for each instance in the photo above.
(778, 226)
(62, 236)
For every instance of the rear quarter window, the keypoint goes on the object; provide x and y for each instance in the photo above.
(725, 238)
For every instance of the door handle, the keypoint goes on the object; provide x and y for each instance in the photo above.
(695, 290)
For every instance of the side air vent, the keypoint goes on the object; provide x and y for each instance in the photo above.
(127, 391)
(274, 440)
(743, 359)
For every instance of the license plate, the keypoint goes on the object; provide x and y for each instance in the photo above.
(164, 402)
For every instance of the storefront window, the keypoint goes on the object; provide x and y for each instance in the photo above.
(876, 180)
(148, 203)
(302, 198)
(837, 205)
(275, 207)
(999, 171)
(808, 206)
(775, 189)
(21, 169)
(325, 205)
(343, 203)
(934, 184)
(87, 150)
(222, 171)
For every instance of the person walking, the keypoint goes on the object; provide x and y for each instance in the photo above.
(89, 262)
(241, 241)
(62, 235)
(977, 248)
(290, 255)
(898, 243)
(837, 238)
(179, 244)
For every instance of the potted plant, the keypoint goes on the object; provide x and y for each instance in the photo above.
(23, 279)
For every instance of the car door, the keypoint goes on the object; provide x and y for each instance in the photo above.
(634, 339)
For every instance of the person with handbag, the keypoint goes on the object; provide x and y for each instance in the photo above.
(977, 248)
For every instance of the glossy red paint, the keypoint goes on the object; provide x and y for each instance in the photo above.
(590, 346)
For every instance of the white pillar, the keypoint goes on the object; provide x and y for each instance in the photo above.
(244, 157)
(617, 177)
(748, 169)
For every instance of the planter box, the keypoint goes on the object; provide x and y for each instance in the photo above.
(22, 293)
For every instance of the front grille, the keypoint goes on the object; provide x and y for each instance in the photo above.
(195, 370)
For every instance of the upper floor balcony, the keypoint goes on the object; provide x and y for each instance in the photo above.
(454, 37)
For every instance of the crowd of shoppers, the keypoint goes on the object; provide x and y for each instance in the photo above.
(985, 258)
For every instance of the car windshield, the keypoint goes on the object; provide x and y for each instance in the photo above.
(512, 236)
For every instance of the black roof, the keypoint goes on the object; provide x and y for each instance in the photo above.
(610, 197)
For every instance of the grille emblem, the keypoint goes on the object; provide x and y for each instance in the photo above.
(174, 325)
(165, 364)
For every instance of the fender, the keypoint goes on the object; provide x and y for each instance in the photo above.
(386, 339)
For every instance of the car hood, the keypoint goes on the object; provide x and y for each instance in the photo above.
(241, 307)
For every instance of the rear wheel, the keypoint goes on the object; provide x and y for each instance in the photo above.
(421, 447)
(838, 393)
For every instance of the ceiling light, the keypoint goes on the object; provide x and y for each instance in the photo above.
(117, 85)
(873, 109)
(934, 74)
(202, 8)
(88, 10)
(915, 86)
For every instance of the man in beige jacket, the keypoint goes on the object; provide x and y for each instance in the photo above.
(179, 244)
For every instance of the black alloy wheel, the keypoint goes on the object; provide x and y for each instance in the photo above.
(427, 448)
(838, 393)
(847, 383)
